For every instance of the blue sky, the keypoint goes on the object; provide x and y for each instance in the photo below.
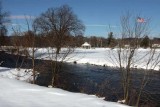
(97, 15)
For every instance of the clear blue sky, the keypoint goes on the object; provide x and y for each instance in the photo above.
(97, 15)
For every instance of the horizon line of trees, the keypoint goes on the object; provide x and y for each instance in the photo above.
(64, 29)
(77, 41)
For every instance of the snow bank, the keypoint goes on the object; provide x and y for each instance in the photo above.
(16, 93)
(19, 74)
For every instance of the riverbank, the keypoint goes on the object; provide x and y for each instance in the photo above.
(15, 93)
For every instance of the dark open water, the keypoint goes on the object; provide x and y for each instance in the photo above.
(104, 82)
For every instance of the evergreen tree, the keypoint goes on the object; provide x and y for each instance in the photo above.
(111, 40)
(145, 42)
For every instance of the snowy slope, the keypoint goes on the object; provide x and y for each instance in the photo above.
(19, 74)
(16, 93)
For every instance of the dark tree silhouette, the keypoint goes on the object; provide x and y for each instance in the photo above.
(145, 42)
(4, 19)
(111, 40)
(59, 23)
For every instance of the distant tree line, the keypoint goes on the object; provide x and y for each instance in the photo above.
(77, 41)
(58, 28)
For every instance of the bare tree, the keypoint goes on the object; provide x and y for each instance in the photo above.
(29, 44)
(16, 43)
(4, 19)
(128, 57)
(30, 49)
(24, 43)
(59, 23)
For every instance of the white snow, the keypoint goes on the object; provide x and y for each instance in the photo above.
(108, 57)
(14, 73)
(16, 93)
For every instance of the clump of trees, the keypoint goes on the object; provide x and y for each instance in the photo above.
(145, 42)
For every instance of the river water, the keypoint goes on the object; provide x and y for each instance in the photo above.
(104, 82)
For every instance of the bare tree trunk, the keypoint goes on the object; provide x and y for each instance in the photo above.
(54, 71)
(33, 65)
(58, 50)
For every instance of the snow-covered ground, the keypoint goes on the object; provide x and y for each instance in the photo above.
(16, 93)
(108, 57)
(14, 73)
